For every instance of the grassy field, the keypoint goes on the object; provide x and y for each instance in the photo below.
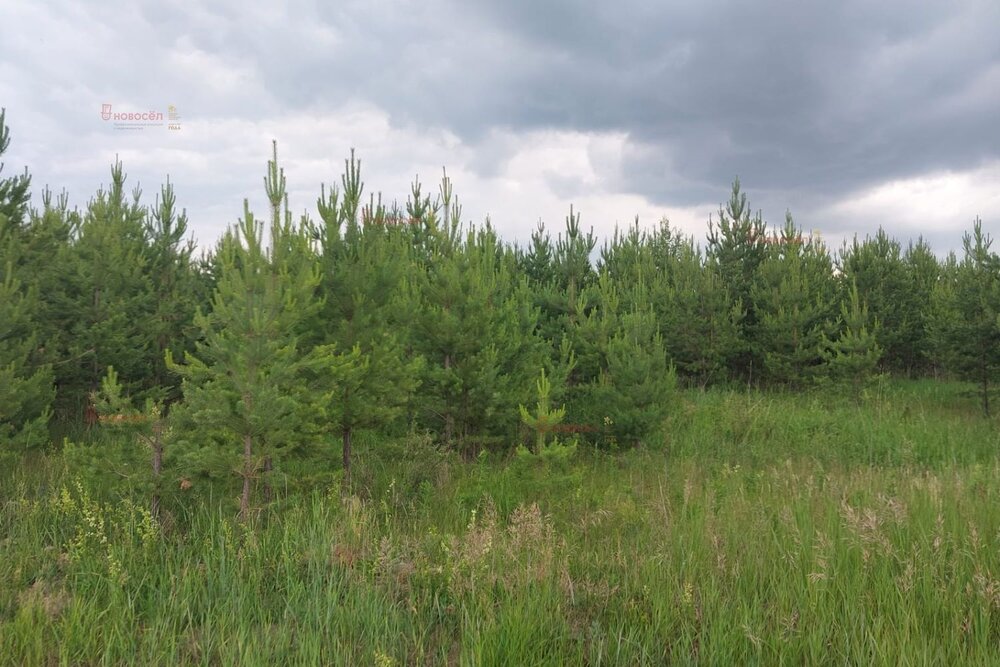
(764, 529)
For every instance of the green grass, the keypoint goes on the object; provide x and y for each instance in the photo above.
(764, 529)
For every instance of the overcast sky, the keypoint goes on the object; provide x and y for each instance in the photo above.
(851, 114)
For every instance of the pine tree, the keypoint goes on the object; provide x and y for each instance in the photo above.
(26, 388)
(922, 273)
(737, 246)
(623, 381)
(589, 334)
(26, 384)
(877, 267)
(103, 302)
(638, 383)
(563, 295)
(794, 298)
(476, 327)
(629, 255)
(537, 263)
(175, 291)
(248, 378)
(364, 273)
(15, 192)
(545, 418)
(147, 426)
(699, 322)
(852, 358)
(964, 309)
(477, 332)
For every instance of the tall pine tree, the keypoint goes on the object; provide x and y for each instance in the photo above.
(249, 380)
(365, 268)
(737, 246)
(794, 297)
(964, 309)
(26, 389)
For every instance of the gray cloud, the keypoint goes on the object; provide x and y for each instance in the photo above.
(809, 103)
(825, 97)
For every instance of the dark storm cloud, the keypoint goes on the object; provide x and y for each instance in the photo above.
(820, 98)
(805, 100)
(809, 103)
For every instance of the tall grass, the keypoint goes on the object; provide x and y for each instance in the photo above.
(764, 529)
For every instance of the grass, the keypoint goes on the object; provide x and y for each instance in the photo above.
(764, 529)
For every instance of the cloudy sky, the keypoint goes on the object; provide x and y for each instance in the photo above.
(851, 114)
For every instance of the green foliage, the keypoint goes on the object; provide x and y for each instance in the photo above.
(176, 291)
(793, 298)
(26, 382)
(636, 387)
(896, 287)
(248, 379)
(428, 323)
(126, 451)
(965, 305)
(108, 294)
(546, 417)
(923, 272)
(110, 400)
(737, 246)
(561, 289)
(699, 321)
(622, 380)
(26, 387)
(852, 358)
(365, 272)
(15, 192)
(476, 327)
(385, 319)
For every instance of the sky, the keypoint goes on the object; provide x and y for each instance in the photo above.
(851, 115)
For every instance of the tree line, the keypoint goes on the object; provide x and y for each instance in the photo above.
(295, 332)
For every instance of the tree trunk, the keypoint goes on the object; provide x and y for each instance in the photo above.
(449, 418)
(267, 468)
(984, 368)
(986, 393)
(247, 474)
(157, 468)
(347, 458)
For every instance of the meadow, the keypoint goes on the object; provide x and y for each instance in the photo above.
(758, 528)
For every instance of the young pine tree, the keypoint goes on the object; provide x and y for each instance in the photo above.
(852, 358)
(26, 387)
(562, 294)
(477, 332)
(794, 297)
(148, 428)
(364, 268)
(965, 306)
(175, 291)
(699, 322)
(105, 303)
(623, 382)
(26, 384)
(545, 417)
(876, 267)
(638, 383)
(249, 379)
(737, 246)
(922, 273)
